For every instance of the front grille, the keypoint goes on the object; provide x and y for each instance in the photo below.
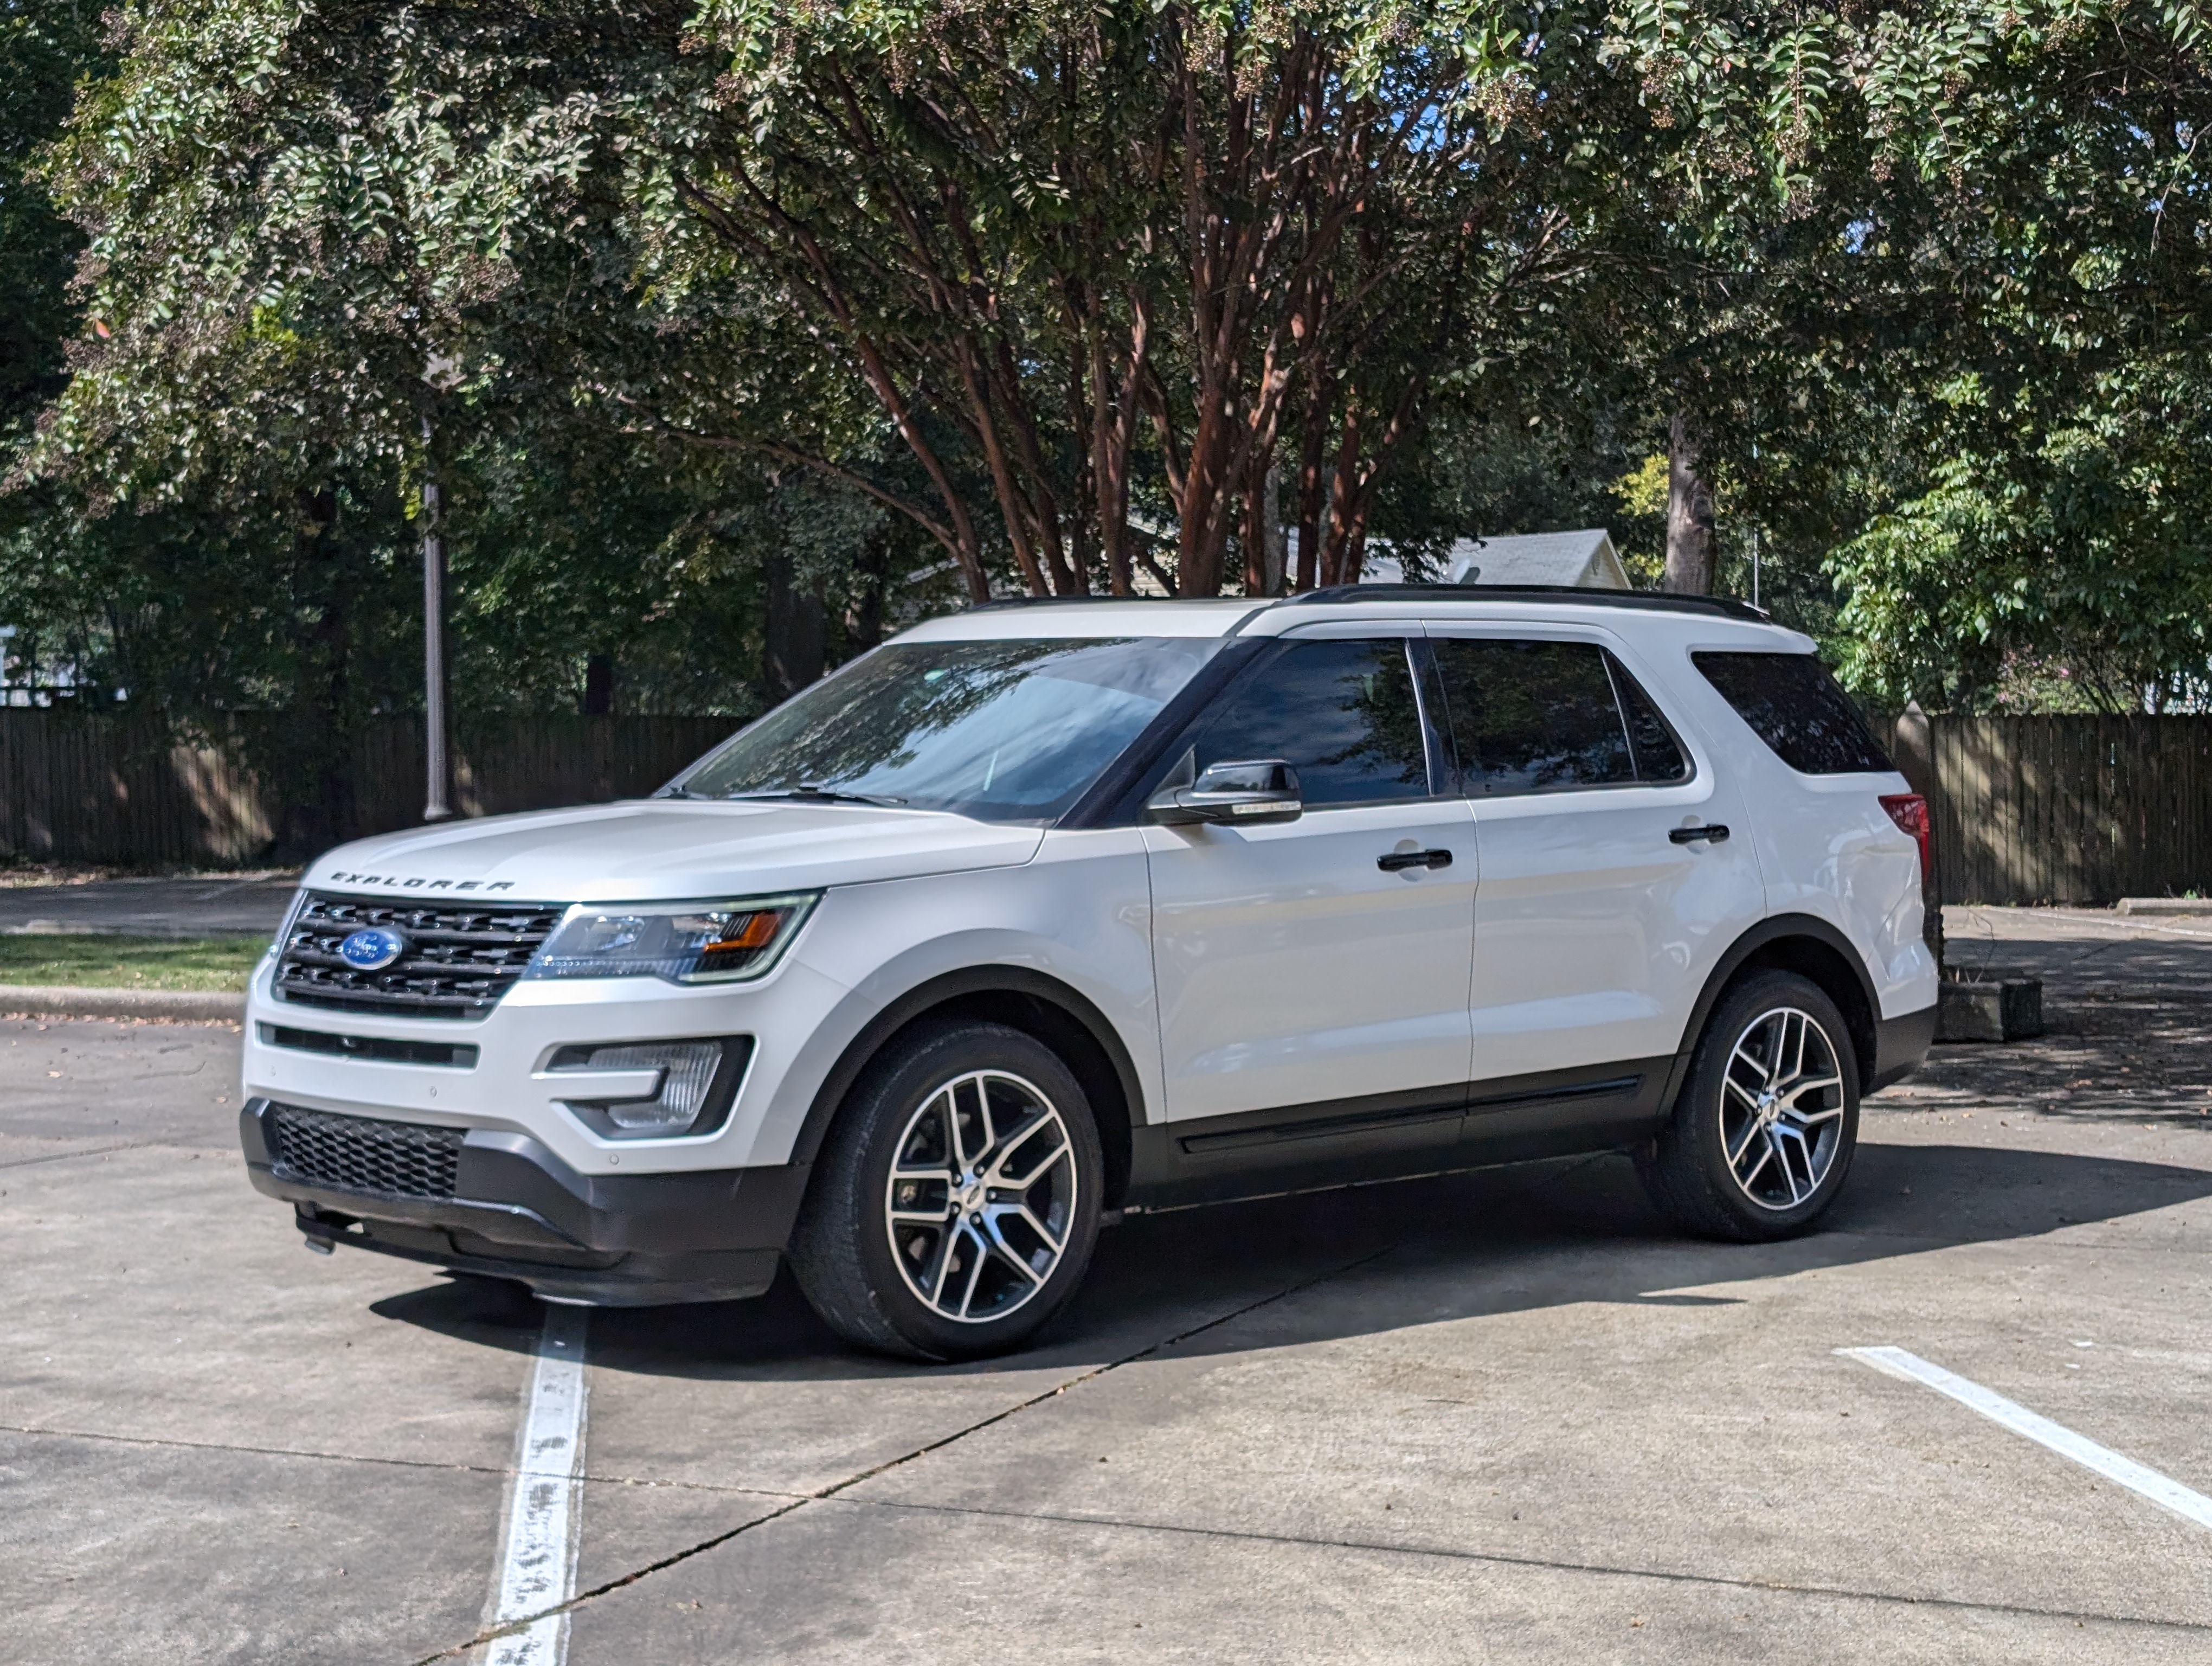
(458, 963)
(362, 1154)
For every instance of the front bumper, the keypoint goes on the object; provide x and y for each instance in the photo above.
(517, 1211)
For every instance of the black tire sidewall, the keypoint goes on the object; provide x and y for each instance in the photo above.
(875, 1117)
(1699, 1134)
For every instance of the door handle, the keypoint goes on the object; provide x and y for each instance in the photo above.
(1713, 833)
(1398, 860)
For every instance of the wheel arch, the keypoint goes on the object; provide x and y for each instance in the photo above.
(1812, 948)
(1022, 999)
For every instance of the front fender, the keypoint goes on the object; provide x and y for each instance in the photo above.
(1081, 942)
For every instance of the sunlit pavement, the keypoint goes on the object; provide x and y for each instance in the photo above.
(1499, 1416)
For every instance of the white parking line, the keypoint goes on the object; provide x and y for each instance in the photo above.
(538, 1569)
(2159, 1489)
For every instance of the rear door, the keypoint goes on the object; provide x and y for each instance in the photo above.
(1608, 892)
(1312, 964)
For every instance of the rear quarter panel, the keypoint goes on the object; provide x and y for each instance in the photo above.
(1827, 847)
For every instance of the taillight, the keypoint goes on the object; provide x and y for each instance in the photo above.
(1909, 811)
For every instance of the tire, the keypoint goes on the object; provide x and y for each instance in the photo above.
(1762, 1139)
(950, 1265)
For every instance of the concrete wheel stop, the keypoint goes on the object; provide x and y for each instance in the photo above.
(1988, 1004)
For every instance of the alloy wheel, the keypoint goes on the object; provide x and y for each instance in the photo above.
(1782, 1108)
(981, 1196)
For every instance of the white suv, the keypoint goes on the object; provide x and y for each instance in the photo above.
(1043, 913)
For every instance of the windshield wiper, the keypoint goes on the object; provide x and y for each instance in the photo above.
(820, 795)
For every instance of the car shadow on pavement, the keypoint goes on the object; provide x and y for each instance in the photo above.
(1372, 1259)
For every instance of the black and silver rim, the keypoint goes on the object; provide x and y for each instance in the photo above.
(981, 1196)
(1782, 1108)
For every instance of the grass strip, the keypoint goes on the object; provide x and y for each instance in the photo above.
(94, 961)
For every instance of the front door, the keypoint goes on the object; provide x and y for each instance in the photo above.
(1606, 899)
(1310, 964)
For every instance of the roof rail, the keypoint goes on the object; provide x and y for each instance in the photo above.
(1055, 601)
(1640, 601)
(1647, 601)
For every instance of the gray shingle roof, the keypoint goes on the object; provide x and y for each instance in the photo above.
(1584, 558)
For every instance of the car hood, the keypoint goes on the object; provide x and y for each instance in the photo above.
(661, 849)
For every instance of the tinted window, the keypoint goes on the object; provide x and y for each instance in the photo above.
(1532, 716)
(1796, 708)
(1659, 756)
(1342, 713)
(1002, 731)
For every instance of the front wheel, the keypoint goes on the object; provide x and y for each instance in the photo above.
(1762, 1137)
(956, 1200)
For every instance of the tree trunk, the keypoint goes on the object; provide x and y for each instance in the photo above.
(1252, 534)
(1271, 532)
(1313, 491)
(437, 681)
(1689, 516)
(599, 685)
(864, 615)
(798, 635)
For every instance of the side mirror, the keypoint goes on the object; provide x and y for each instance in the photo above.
(1231, 794)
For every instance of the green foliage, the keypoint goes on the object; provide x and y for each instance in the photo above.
(738, 333)
(2073, 568)
(331, 247)
(1926, 353)
(43, 51)
(302, 222)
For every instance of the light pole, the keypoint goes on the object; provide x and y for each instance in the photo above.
(438, 788)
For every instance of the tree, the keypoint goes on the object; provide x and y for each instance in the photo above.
(1982, 246)
(319, 238)
(1105, 259)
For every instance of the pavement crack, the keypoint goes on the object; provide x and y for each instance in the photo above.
(1450, 1552)
(64, 1156)
(503, 1471)
(492, 1634)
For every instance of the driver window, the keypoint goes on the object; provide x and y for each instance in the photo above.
(1340, 712)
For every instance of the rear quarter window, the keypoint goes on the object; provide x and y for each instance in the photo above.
(1793, 704)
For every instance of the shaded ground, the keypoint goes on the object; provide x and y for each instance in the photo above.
(1497, 1418)
(2127, 1010)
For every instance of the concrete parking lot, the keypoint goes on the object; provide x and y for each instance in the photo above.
(1499, 1416)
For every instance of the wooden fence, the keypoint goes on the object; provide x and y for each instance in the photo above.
(2082, 810)
(97, 789)
(2027, 809)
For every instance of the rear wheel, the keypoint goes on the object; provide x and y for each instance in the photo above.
(956, 1204)
(1760, 1146)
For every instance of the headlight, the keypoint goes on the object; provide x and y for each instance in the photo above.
(683, 942)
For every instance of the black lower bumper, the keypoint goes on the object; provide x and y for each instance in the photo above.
(1901, 1046)
(517, 1211)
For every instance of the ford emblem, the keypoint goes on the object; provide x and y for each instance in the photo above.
(372, 950)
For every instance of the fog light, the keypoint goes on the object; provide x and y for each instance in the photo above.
(668, 1088)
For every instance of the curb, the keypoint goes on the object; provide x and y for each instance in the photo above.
(73, 1001)
(2197, 906)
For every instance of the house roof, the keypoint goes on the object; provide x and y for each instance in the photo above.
(1585, 560)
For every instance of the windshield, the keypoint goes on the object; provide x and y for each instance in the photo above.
(1001, 731)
